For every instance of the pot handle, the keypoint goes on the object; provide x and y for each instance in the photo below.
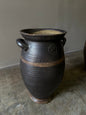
(63, 41)
(22, 44)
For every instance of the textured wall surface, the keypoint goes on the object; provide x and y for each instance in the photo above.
(19, 14)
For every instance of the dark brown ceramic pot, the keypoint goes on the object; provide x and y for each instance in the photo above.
(42, 61)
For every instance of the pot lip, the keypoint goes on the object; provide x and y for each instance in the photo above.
(29, 32)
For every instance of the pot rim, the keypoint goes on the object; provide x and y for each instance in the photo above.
(30, 32)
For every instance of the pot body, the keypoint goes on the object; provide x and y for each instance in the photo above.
(42, 67)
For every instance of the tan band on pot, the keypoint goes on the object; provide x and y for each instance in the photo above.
(47, 64)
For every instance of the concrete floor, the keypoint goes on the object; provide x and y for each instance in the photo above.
(70, 98)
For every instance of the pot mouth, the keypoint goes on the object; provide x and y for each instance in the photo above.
(42, 32)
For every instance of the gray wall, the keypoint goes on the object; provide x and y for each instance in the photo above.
(19, 14)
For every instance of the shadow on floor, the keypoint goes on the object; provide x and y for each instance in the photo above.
(73, 77)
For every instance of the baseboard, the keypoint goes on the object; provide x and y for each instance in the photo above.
(73, 51)
(11, 65)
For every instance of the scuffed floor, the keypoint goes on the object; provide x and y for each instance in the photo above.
(70, 98)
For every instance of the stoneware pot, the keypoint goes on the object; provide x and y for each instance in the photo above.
(42, 61)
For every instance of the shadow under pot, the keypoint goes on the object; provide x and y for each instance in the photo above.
(42, 61)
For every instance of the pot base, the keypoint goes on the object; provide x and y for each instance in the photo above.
(40, 101)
